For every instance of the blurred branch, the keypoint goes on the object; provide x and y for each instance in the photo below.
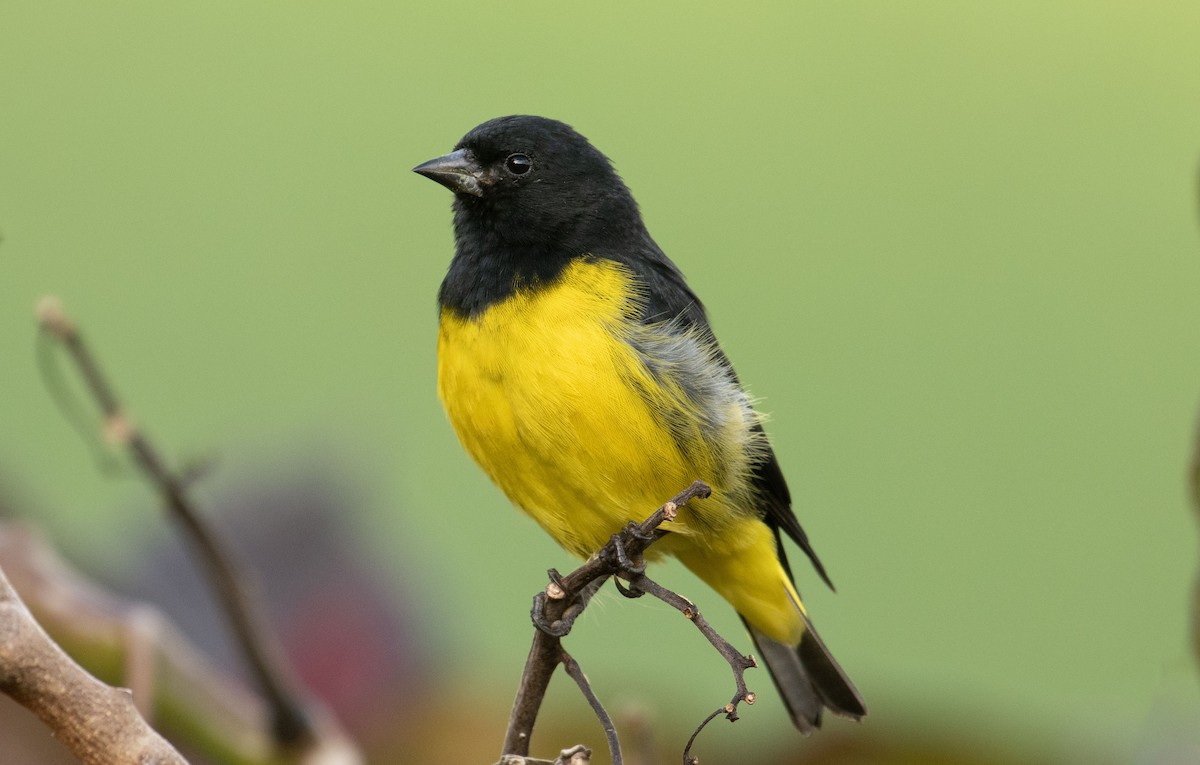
(576, 755)
(564, 599)
(1194, 480)
(134, 644)
(291, 720)
(264, 658)
(97, 722)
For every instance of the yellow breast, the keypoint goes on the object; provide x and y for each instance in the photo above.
(551, 400)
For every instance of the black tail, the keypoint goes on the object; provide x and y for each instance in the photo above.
(808, 679)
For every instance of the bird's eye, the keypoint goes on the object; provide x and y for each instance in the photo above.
(518, 164)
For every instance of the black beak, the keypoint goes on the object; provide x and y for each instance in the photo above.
(457, 171)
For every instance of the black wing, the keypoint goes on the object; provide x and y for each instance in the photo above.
(669, 297)
(777, 500)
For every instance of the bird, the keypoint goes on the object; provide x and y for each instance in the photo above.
(580, 371)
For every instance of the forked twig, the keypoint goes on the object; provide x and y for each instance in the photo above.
(555, 610)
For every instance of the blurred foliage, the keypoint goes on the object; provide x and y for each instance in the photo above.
(952, 246)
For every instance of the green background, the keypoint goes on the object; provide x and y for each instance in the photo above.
(952, 247)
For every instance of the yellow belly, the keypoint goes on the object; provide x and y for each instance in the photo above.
(561, 411)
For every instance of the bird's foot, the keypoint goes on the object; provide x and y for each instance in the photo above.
(617, 551)
(559, 627)
(631, 591)
(555, 592)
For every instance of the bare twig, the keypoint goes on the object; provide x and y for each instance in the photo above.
(98, 723)
(571, 667)
(290, 722)
(688, 759)
(555, 610)
(737, 662)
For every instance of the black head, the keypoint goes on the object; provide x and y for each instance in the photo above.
(531, 180)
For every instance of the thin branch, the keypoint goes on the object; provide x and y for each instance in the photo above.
(555, 610)
(98, 723)
(688, 759)
(290, 722)
(737, 662)
(571, 667)
(543, 658)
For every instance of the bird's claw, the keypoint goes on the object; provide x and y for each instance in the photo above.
(620, 557)
(631, 591)
(558, 627)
